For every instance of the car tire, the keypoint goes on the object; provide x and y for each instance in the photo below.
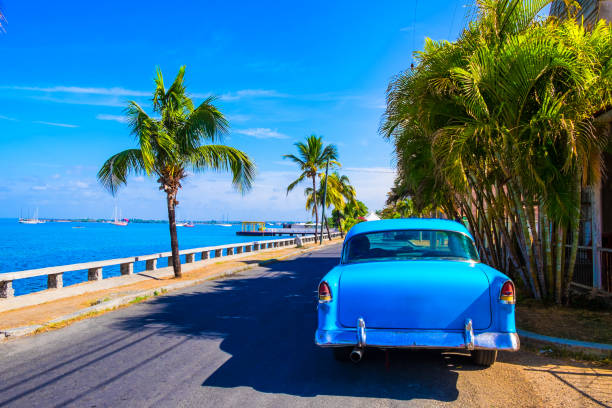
(484, 358)
(342, 353)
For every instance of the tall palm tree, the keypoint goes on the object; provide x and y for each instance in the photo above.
(171, 143)
(498, 127)
(339, 193)
(312, 157)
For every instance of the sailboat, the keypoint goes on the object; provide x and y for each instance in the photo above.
(226, 224)
(118, 221)
(34, 220)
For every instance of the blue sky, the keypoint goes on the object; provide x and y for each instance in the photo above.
(282, 70)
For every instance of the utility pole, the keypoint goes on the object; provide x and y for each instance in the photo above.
(324, 201)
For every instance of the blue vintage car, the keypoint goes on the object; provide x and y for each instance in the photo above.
(415, 283)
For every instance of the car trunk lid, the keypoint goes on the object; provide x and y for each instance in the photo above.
(427, 295)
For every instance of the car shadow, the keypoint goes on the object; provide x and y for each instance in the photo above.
(267, 324)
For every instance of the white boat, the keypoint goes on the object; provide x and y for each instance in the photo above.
(118, 221)
(224, 225)
(187, 224)
(34, 220)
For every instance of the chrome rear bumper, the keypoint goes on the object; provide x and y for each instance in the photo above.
(437, 339)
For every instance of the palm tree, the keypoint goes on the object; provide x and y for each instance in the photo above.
(312, 157)
(339, 193)
(498, 127)
(171, 143)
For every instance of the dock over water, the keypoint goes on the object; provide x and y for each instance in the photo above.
(270, 232)
(258, 229)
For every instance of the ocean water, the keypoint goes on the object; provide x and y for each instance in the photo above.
(24, 246)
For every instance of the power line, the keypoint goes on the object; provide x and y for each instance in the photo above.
(452, 24)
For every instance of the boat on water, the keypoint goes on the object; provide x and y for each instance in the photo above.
(224, 225)
(187, 224)
(34, 220)
(118, 221)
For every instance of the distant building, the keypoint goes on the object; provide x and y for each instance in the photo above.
(591, 10)
(594, 266)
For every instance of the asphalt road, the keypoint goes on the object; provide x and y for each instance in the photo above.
(243, 341)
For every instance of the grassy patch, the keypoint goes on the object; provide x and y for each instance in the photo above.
(98, 301)
(565, 322)
(559, 352)
(64, 323)
(139, 299)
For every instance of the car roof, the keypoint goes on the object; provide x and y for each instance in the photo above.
(407, 224)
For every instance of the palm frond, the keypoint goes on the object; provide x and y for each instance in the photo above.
(206, 122)
(297, 181)
(116, 170)
(225, 158)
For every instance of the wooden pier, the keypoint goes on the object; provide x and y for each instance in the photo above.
(258, 229)
(272, 232)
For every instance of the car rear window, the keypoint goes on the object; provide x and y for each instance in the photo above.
(410, 245)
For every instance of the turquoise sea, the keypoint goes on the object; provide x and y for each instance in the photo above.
(24, 246)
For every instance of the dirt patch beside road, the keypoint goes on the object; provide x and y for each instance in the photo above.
(561, 383)
(565, 322)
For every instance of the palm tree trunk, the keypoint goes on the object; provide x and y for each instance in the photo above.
(176, 260)
(316, 207)
(575, 231)
(559, 257)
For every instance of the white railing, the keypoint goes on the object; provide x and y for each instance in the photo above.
(126, 265)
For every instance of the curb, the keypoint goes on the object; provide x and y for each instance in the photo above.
(124, 300)
(567, 343)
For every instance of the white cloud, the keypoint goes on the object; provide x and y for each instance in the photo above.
(94, 100)
(66, 125)
(40, 188)
(238, 118)
(81, 184)
(250, 93)
(407, 28)
(55, 176)
(6, 118)
(261, 133)
(369, 170)
(116, 118)
(115, 91)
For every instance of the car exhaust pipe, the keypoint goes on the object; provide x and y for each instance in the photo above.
(357, 354)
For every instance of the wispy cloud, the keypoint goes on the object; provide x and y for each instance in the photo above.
(407, 28)
(238, 117)
(252, 93)
(385, 170)
(94, 100)
(116, 118)
(115, 91)
(261, 133)
(66, 125)
(2, 117)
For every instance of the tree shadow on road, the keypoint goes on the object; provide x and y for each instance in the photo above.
(267, 324)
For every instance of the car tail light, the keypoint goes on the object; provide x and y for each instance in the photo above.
(508, 294)
(324, 293)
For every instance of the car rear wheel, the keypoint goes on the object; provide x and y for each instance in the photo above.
(342, 353)
(484, 358)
